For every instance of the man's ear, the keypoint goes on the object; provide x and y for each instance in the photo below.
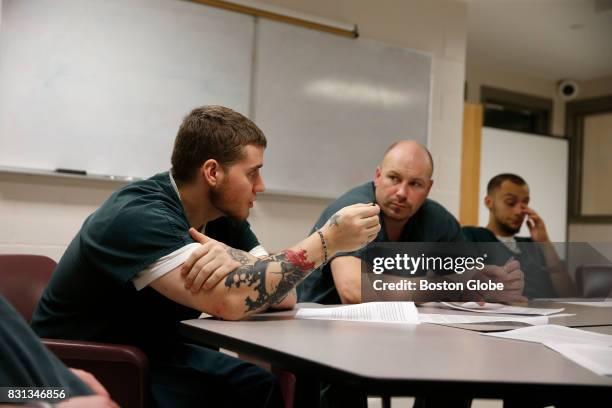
(488, 202)
(377, 175)
(211, 171)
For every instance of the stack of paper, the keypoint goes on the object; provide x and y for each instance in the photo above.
(383, 312)
(603, 303)
(403, 312)
(495, 308)
(590, 350)
(465, 319)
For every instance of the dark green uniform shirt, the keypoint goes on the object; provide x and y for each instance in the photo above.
(91, 295)
(26, 362)
(533, 263)
(431, 223)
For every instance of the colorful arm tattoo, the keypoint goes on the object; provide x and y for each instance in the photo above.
(294, 266)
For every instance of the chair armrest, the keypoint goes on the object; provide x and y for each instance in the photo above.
(594, 280)
(122, 369)
(92, 351)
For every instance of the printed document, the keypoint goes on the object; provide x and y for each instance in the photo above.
(382, 312)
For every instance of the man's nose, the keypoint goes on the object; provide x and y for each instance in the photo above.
(520, 209)
(259, 186)
(402, 190)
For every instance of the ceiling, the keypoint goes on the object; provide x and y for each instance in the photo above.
(552, 39)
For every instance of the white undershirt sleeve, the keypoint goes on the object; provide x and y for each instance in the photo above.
(171, 261)
(259, 251)
(163, 265)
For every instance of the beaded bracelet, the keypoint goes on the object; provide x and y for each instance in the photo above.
(324, 243)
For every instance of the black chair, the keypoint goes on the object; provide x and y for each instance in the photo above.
(594, 281)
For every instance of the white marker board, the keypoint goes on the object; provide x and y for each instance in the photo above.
(330, 106)
(102, 86)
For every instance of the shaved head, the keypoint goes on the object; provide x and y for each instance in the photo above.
(403, 180)
(411, 153)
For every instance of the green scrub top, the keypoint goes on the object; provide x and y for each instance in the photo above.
(533, 264)
(431, 223)
(91, 296)
(26, 362)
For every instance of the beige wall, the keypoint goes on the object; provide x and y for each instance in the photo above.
(595, 88)
(596, 165)
(479, 73)
(579, 232)
(590, 232)
(593, 232)
(41, 214)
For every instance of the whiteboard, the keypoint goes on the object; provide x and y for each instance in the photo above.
(542, 161)
(103, 86)
(330, 106)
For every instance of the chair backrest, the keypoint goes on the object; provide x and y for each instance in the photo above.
(23, 278)
(122, 369)
(594, 280)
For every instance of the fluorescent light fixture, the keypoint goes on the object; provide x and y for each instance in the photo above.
(272, 12)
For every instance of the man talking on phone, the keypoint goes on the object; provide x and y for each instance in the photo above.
(507, 200)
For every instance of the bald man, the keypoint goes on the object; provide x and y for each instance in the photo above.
(401, 185)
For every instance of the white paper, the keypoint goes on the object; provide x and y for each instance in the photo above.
(552, 333)
(590, 350)
(382, 312)
(606, 303)
(462, 319)
(595, 358)
(562, 315)
(499, 308)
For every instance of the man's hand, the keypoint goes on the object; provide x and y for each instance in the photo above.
(90, 381)
(510, 275)
(536, 226)
(208, 264)
(352, 227)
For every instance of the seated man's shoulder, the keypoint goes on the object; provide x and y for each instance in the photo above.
(146, 192)
(143, 207)
(436, 224)
(432, 208)
(363, 193)
(478, 234)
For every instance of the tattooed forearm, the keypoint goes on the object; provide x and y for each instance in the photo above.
(253, 276)
(238, 255)
(299, 259)
(293, 268)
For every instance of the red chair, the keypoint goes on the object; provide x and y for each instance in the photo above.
(122, 369)
(23, 279)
